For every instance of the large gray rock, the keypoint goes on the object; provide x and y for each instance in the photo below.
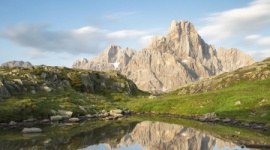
(116, 112)
(14, 63)
(31, 130)
(168, 62)
(65, 113)
(57, 118)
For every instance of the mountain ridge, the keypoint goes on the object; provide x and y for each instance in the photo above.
(173, 60)
(16, 63)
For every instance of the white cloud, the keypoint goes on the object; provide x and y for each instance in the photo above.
(126, 34)
(257, 40)
(252, 37)
(265, 41)
(39, 39)
(238, 21)
(259, 55)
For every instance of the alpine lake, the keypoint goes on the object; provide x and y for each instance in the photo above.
(136, 133)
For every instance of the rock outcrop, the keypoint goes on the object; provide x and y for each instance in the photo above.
(3, 91)
(233, 59)
(170, 61)
(14, 63)
(48, 79)
(112, 58)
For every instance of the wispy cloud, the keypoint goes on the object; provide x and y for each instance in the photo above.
(247, 20)
(259, 55)
(257, 40)
(126, 34)
(39, 39)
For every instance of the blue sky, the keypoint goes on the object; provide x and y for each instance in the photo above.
(59, 32)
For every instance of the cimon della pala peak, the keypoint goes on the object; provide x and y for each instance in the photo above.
(170, 61)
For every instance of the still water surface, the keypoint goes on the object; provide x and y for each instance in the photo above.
(133, 134)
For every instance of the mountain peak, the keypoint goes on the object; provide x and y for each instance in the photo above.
(178, 58)
(16, 63)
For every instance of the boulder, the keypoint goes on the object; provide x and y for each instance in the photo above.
(57, 118)
(73, 119)
(31, 130)
(115, 112)
(209, 117)
(226, 120)
(12, 123)
(65, 112)
(46, 89)
(19, 81)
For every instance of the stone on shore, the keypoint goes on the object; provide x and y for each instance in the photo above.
(31, 130)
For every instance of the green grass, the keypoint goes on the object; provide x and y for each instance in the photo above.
(254, 97)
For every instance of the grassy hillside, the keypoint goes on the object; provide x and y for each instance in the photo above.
(243, 94)
(38, 92)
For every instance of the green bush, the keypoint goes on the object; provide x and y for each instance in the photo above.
(76, 81)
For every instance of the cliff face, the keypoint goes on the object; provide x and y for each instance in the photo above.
(14, 63)
(178, 58)
(169, 61)
(233, 59)
(112, 58)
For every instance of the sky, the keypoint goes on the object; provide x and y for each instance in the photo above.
(59, 32)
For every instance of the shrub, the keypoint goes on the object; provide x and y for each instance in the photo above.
(76, 81)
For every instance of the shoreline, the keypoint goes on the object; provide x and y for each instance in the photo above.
(223, 121)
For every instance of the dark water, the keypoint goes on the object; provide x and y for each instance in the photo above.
(134, 133)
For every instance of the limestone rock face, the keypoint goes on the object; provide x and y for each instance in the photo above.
(233, 59)
(170, 61)
(113, 58)
(178, 58)
(14, 63)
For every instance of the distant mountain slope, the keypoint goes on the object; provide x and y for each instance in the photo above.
(254, 72)
(14, 63)
(170, 61)
(233, 59)
(112, 58)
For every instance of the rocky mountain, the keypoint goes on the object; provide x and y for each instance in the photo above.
(112, 58)
(254, 72)
(233, 59)
(170, 61)
(14, 63)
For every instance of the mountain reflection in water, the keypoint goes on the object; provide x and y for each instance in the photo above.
(165, 136)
